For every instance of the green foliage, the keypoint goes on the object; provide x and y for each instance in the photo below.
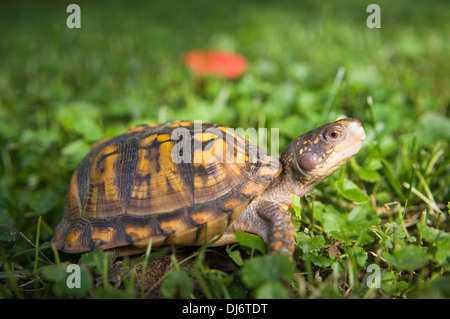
(64, 89)
(349, 190)
(82, 119)
(407, 258)
(250, 241)
(271, 290)
(262, 269)
(351, 224)
(97, 259)
(177, 285)
(439, 242)
(264, 275)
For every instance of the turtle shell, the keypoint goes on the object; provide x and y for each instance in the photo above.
(164, 183)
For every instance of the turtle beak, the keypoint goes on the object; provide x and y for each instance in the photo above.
(353, 140)
(356, 130)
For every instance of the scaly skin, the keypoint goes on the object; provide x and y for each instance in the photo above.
(307, 160)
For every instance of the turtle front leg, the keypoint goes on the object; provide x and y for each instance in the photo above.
(281, 235)
(268, 220)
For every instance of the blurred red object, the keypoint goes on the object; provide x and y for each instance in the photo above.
(221, 64)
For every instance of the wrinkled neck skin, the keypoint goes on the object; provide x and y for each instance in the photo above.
(257, 215)
(288, 183)
(293, 180)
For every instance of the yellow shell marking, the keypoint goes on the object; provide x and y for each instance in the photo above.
(202, 217)
(103, 235)
(102, 178)
(137, 128)
(158, 185)
(174, 225)
(205, 137)
(147, 141)
(141, 190)
(138, 233)
(231, 204)
(73, 237)
(163, 138)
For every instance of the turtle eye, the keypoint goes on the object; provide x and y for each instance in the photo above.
(333, 134)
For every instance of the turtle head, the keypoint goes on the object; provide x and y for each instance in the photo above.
(317, 154)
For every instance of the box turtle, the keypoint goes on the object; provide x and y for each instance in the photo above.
(182, 183)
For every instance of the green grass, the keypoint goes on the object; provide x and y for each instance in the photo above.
(61, 90)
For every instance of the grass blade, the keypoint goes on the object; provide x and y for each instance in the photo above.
(36, 247)
(423, 197)
(144, 266)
